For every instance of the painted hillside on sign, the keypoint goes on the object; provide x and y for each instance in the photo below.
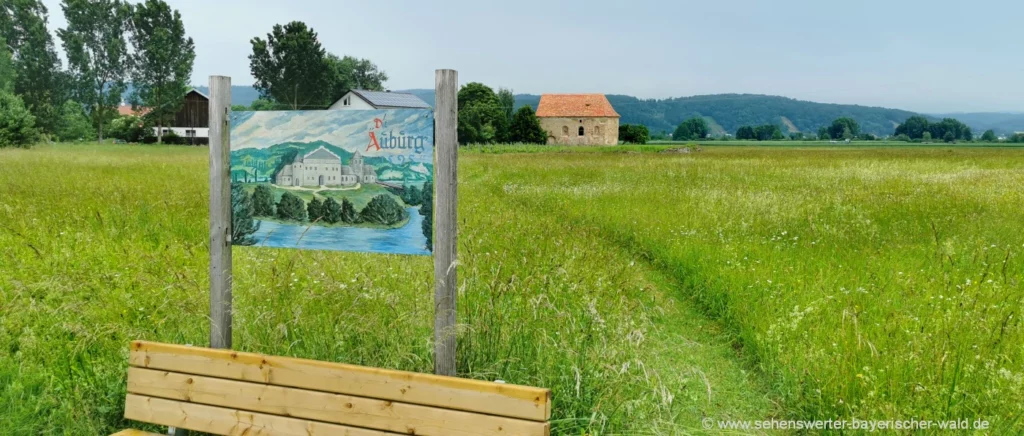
(357, 180)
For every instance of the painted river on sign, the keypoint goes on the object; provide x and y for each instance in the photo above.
(399, 241)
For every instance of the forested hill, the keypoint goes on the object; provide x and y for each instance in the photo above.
(727, 112)
(730, 111)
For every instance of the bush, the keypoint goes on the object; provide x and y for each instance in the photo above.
(74, 124)
(634, 133)
(17, 125)
(129, 128)
(173, 139)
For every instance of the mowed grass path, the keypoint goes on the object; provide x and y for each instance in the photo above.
(100, 245)
(868, 283)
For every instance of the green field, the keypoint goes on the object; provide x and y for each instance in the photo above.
(648, 290)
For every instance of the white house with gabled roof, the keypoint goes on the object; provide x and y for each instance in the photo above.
(361, 99)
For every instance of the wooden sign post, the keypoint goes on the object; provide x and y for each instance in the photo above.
(220, 212)
(446, 144)
(445, 216)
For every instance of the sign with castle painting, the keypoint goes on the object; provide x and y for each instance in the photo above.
(357, 180)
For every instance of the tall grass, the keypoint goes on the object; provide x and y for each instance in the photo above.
(870, 283)
(100, 245)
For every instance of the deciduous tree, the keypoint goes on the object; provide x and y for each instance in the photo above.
(691, 129)
(634, 133)
(989, 136)
(844, 128)
(97, 54)
(525, 127)
(163, 60)
(290, 67)
(481, 119)
(38, 77)
(74, 123)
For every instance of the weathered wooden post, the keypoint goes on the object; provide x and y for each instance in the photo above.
(446, 143)
(220, 212)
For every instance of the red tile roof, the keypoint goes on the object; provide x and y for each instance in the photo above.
(575, 105)
(126, 109)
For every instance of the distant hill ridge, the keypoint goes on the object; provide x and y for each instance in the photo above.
(727, 112)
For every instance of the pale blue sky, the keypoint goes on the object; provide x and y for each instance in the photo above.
(928, 56)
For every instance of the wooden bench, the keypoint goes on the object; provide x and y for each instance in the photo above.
(232, 393)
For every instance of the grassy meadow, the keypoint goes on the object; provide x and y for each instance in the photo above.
(648, 290)
(110, 246)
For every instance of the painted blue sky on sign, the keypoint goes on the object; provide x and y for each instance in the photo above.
(397, 132)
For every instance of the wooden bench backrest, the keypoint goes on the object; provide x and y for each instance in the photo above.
(228, 392)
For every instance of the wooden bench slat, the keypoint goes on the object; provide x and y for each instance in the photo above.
(222, 421)
(322, 406)
(514, 401)
(134, 432)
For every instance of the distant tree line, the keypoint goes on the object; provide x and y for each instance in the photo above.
(486, 117)
(765, 132)
(108, 44)
(118, 50)
(947, 130)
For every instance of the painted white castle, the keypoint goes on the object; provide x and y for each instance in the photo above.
(323, 168)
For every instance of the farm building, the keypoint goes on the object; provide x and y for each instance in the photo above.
(192, 121)
(321, 167)
(357, 99)
(578, 119)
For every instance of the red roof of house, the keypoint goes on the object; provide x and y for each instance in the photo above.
(126, 109)
(575, 105)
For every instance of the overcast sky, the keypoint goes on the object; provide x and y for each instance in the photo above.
(928, 56)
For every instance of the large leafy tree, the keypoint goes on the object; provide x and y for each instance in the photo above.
(914, 127)
(634, 134)
(163, 60)
(97, 54)
(525, 127)
(844, 128)
(691, 129)
(348, 73)
(481, 118)
(989, 136)
(290, 66)
(6, 68)
(507, 102)
(74, 124)
(38, 79)
(364, 74)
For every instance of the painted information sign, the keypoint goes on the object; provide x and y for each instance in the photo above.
(351, 180)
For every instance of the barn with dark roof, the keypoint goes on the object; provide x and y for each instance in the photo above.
(578, 119)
